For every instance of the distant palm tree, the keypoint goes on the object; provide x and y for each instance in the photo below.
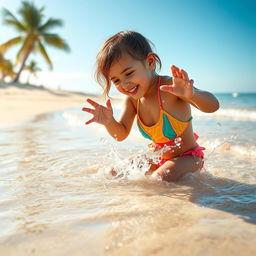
(32, 68)
(6, 68)
(34, 34)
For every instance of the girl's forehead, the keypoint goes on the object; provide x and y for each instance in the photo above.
(123, 63)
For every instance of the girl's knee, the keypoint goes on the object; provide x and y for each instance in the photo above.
(199, 164)
(167, 175)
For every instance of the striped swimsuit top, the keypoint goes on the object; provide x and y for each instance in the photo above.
(167, 129)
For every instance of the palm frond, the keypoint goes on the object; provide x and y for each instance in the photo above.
(50, 24)
(41, 10)
(7, 14)
(4, 47)
(44, 54)
(31, 16)
(10, 19)
(56, 41)
(15, 24)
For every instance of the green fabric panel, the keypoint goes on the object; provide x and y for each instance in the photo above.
(167, 128)
(144, 134)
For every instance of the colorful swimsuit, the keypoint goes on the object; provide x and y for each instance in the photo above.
(167, 131)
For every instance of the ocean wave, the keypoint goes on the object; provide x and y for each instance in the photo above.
(230, 146)
(73, 118)
(236, 114)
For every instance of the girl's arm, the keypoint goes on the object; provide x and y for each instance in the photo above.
(183, 88)
(121, 129)
(203, 100)
(104, 115)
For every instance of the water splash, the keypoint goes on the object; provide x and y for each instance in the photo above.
(134, 166)
(216, 144)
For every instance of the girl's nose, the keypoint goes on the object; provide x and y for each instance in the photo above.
(125, 83)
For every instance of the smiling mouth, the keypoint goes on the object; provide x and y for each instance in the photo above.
(133, 90)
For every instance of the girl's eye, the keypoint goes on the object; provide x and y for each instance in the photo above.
(128, 74)
(116, 81)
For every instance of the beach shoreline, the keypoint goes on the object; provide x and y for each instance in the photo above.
(20, 103)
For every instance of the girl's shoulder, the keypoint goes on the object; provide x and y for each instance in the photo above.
(131, 102)
(173, 104)
(165, 80)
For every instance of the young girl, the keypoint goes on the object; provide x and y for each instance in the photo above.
(161, 103)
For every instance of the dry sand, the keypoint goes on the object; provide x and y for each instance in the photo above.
(22, 102)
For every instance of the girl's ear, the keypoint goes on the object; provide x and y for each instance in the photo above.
(151, 61)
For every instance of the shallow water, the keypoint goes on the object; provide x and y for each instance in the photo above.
(56, 197)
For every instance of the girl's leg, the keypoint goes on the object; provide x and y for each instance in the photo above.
(153, 167)
(174, 169)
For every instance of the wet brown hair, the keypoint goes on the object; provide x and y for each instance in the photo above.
(130, 42)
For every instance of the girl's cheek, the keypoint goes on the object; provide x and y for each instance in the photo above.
(117, 87)
(120, 89)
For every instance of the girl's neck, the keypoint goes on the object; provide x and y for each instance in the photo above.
(152, 87)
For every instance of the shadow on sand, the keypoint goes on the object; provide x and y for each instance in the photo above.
(222, 194)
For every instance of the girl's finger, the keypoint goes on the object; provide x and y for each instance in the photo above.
(167, 88)
(175, 67)
(93, 103)
(90, 121)
(189, 84)
(184, 75)
(89, 110)
(179, 73)
(109, 105)
(174, 71)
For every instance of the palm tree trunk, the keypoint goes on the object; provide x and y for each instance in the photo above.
(17, 76)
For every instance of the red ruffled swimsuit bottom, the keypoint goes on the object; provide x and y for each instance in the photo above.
(197, 151)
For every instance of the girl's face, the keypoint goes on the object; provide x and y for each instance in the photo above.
(132, 77)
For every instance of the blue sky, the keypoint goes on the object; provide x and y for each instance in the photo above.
(214, 40)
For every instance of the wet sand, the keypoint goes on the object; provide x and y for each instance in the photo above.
(143, 226)
(20, 103)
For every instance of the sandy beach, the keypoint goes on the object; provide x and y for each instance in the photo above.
(20, 103)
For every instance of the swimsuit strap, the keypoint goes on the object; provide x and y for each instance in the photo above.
(158, 93)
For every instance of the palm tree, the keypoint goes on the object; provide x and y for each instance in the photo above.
(32, 68)
(6, 68)
(34, 34)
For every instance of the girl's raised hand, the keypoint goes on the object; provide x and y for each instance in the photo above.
(181, 85)
(101, 114)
